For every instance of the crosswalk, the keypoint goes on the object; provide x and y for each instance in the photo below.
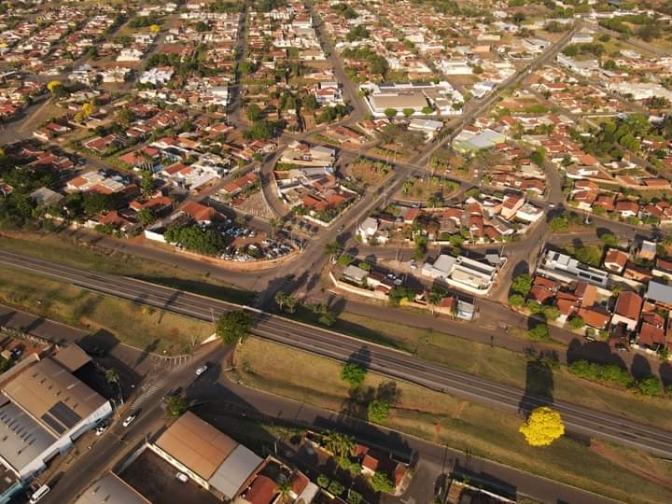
(169, 363)
(147, 391)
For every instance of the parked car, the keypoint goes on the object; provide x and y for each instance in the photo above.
(101, 429)
(129, 420)
(182, 477)
(201, 370)
(41, 492)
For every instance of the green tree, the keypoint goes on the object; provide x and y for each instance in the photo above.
(327, 319)
(335, 488)
(281, 299)
(146, 217)
(176, 406)
(408, 112)
(551, 312)
(339, 444)
(353, 374)
(539, 332)
(522, 284)
(378, 411)
(354, 497)
(576, 323)
(332, 248)
(253, 112)
(516, 300)
(234, 325)
(290, 302)
(649, 386)
(390, 113)
(380, 482)
(609, 239)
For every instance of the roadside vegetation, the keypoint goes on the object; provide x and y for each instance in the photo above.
(63, 250)
(137, 325)
(460, 424)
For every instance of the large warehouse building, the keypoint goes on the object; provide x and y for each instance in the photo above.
(208, 456)
(44, 408)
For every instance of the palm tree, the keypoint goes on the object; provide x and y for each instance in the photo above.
(273, 223)
(332, 248)
(284, 491)
(339, 444)
(434, 299)
(280, 299)
(112, 376)
(291, 303)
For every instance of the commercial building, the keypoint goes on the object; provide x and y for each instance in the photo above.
(209, 457)
(567, 269)
(110, 489)
(466, 274)
(44, 408)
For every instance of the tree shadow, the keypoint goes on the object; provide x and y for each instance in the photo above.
(665, 372)
(98, 344)
(483, 481)
(148, 350)
(640, 367)
(593, 351)
(539, 383)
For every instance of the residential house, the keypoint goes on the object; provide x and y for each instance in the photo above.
(615, 260)
(627, 310)
(511, 204)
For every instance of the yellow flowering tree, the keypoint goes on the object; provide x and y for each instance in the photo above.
(543, 426)
(54, 86)
(155, 28)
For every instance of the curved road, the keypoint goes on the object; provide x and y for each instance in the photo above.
(337, 346)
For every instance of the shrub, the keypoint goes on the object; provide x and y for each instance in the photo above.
(323, 481)
(539, 333)
(576, 323)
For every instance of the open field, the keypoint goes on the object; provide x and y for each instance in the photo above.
(61, 249)
(612, 471)
(140, 326)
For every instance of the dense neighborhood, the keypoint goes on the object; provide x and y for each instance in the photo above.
(335, 251)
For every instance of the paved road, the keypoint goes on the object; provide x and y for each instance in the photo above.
(379, 359)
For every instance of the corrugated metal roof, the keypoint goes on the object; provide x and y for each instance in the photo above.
(110, 489)
(659, 292)
(22, 439)
(235, 471)
(197, 445)
(40, 389)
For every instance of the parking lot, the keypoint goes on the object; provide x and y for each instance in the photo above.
(156, 479)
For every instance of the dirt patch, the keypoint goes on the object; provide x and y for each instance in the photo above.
(609, 454)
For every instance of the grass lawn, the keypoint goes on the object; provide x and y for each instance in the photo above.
(140, 326)
(504, 366)
(460, 424)
(60, 249)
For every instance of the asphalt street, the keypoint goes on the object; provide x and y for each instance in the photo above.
(380, 359)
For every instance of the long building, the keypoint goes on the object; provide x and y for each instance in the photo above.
(208, 456)
(44, 408)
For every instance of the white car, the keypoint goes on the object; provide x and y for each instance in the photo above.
(129, 420)
(182, 477)
(101, 429)
(201, 370)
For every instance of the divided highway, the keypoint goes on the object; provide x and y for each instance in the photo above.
(384, 360)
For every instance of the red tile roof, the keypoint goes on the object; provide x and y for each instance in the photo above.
(629, 305)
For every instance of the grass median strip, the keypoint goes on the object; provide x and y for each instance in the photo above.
(60, 249)
(461, 424)
(141, 326)
(510, 368)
